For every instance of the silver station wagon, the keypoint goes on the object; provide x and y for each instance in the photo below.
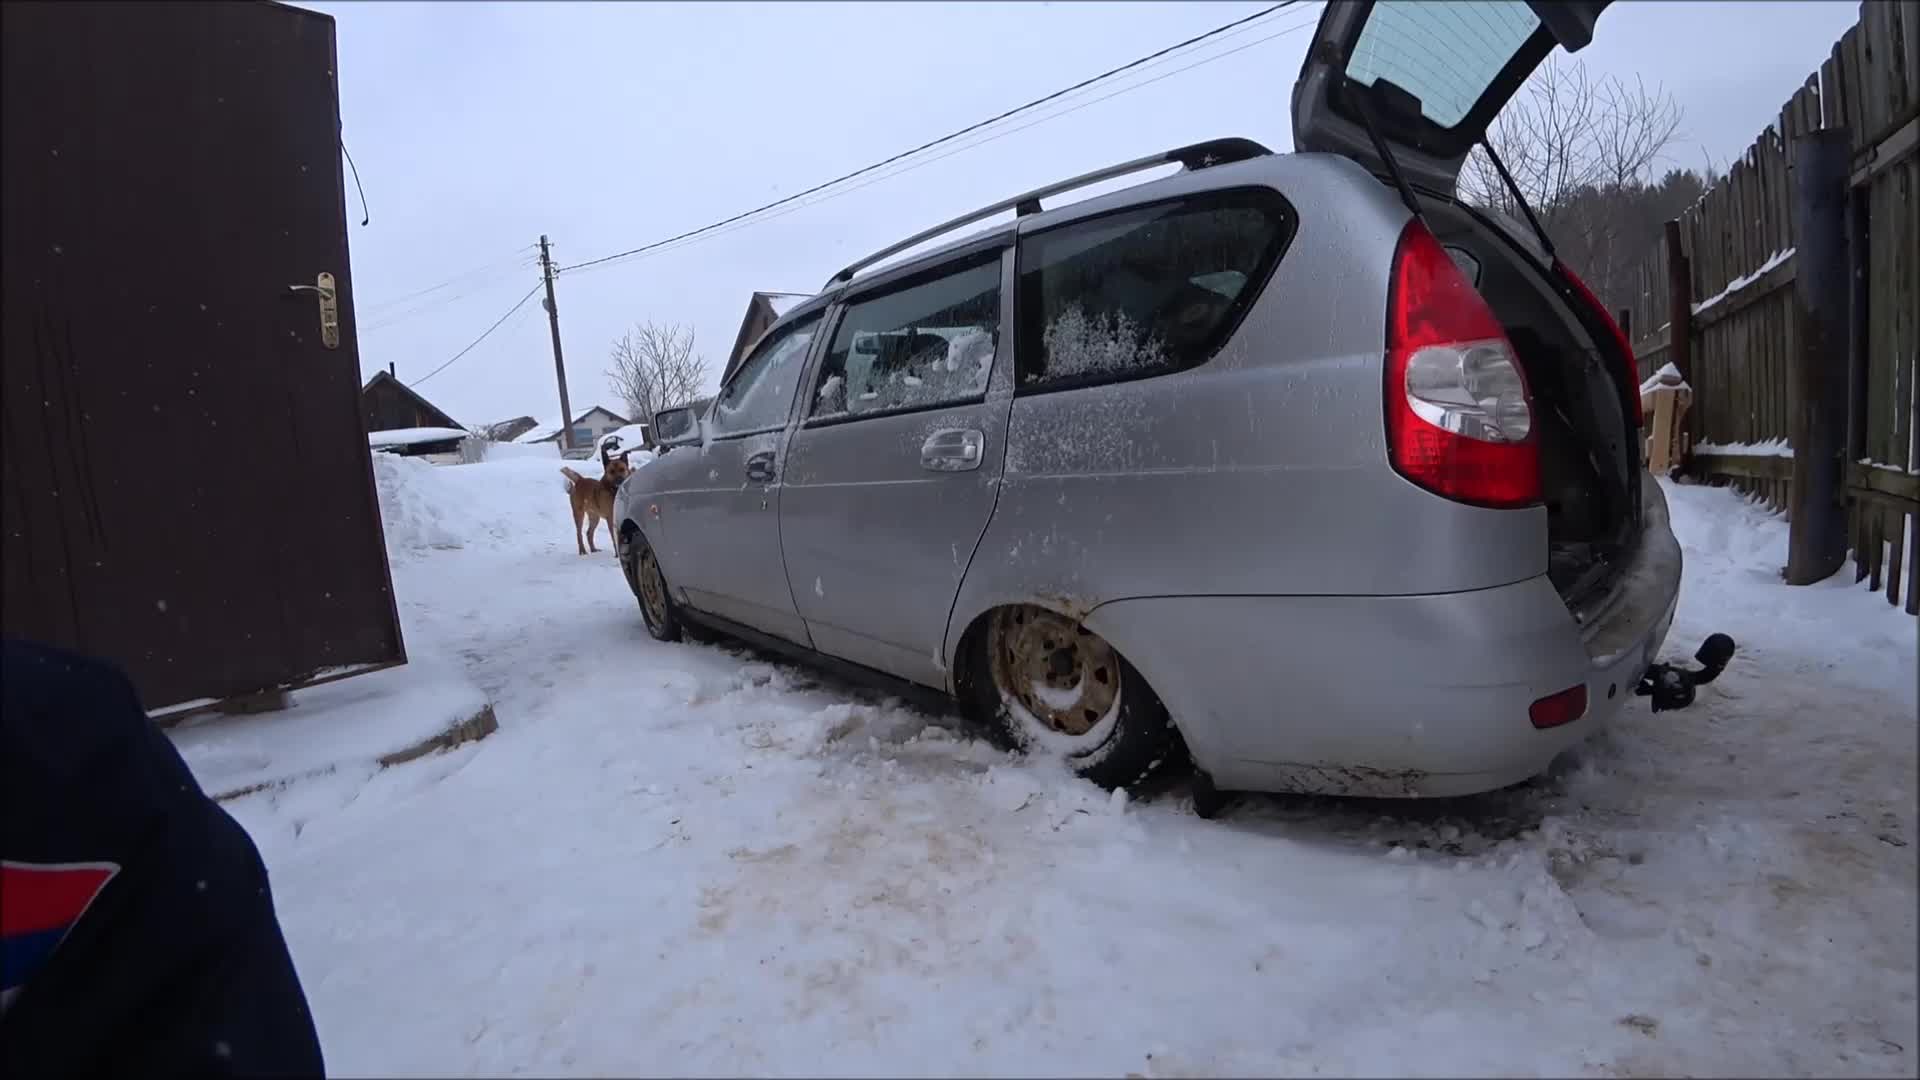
(1293, 461)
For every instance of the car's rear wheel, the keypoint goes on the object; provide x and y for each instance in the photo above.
(1046, 685)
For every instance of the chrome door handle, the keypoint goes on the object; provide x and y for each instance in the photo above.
(760, 467)
(952, 450)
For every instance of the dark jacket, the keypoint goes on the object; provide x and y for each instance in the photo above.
(139, 931)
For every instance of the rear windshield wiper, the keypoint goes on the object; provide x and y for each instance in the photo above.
(1514, 189)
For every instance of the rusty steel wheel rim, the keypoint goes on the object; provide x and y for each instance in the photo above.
(1061, 673)
(653, 588)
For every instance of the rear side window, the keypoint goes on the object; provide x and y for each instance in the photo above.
(927, 344)
(1144, 291)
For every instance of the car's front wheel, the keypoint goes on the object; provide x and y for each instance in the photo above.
(1046, 685)
(657, 609)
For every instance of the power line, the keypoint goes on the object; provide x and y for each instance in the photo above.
(737, 222)
(380, 321)
(1037, 102)
(515, 259)
(496, 325)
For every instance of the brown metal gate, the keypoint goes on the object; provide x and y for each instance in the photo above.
(188, 488)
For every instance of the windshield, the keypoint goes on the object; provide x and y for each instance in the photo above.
(1444, 52)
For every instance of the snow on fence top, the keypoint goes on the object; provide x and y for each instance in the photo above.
(1668, 375)
(1768, 448)
(1744, 280)
(413, 436)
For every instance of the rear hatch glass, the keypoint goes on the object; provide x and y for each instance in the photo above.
(1431, 76)
(1446, 55)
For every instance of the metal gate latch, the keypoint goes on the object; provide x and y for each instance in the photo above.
(329, 297)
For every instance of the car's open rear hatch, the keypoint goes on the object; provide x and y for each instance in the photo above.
(1430, 76)
(1407, 88)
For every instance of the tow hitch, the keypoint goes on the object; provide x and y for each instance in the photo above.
(1671, 686)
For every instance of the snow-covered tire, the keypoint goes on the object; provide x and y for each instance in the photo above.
(1041, 684)
(657, 609)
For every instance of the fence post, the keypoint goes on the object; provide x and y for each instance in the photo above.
(1857, 315)
(1817, 535)
(1680, 322)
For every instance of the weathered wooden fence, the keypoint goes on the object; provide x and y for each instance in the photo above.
(1738, 338)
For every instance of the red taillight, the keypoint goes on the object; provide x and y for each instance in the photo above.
(1630, 364)
(1562, 708)
(1459, 418)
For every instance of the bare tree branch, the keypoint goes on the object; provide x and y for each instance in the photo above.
(654, 367)
(1583, 154)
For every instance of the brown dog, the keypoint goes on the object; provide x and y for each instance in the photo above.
(593, 499)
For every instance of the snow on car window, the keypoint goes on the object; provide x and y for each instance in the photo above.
(930, 343)
(762, 391)
(1079, 344)
(1144, 291)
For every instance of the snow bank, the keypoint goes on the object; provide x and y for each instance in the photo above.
(351, 724)
(491, 504)
(1734, 547)
(501, 451)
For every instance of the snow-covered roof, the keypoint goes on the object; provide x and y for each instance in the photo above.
(413, 436)
(544, 430)
(538, 433)
(781, 303)
(584, 413)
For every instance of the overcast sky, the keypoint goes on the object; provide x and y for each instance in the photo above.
(478, 127)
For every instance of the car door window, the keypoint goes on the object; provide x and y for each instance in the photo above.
(926, 343)
(761, 392)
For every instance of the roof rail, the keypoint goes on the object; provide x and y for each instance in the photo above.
(1197, 156)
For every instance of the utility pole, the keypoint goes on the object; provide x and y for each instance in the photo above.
(559, 363)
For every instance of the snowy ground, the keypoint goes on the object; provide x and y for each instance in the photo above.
(676, 859)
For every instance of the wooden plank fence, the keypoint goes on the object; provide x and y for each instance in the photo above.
(1742, 326)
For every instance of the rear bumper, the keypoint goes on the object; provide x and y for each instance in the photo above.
(1399, 696)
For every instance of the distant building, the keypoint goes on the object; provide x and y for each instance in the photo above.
(763, 310)
(595, 422)
(588, 427)
(442, 446)
(509, 430)
(388, 405)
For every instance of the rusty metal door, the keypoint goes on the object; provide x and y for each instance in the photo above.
(188, 489)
